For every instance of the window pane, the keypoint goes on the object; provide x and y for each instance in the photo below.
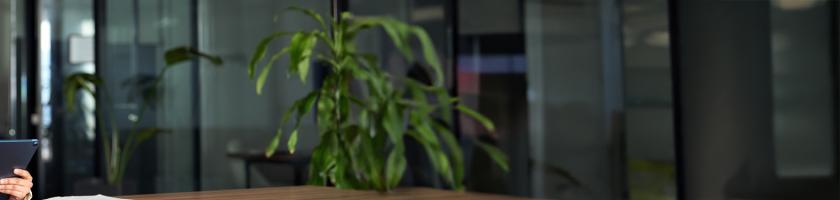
(649, 140)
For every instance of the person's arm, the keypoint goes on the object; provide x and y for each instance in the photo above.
(18, 188)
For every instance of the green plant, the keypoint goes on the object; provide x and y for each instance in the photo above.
(362, 132)
(118, 152)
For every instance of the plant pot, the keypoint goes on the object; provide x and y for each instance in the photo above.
(95, 185)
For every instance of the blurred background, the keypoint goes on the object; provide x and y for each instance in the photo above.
(593, 99)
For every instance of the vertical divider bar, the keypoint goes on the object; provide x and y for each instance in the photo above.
(834, 21)
(674, 34)
(98, 39)
(196, 95)
(29, 69)
(613, 80)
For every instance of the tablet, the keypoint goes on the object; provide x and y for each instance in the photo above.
(15, 154)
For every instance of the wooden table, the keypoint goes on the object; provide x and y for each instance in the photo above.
(320, 193)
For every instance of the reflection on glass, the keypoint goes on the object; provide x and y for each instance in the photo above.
(649, 140)
(233, 119)
(803, 124)
(574, 99)
(7, 32)
(491, 77)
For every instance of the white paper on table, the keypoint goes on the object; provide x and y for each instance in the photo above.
(97, 197)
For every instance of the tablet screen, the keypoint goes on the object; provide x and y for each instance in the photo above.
(15, 154)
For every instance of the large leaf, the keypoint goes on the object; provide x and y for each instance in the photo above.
(395, 167)
(370, 158)
(418, 94)
(275, 142)
(181, 54)
(325, 113)
(456, 155)
(425, 131)
(344, 107)
(497, 155)
(436, 156)
(300, 53)
(444, 168)
(319, 164)
(301, 107)
(364, 119)
(345, 176)
(260, 51)
(445, 102)
(440, 162)
(398, 32)
(307, 104)
(360, 24)
(430, 54)
(392, 123)
(79, 81)
(478, 117)
(69, 92)
(292, 143)
(266, 69)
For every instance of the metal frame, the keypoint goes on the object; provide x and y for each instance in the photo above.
(196, 95)
(834, 20)
(99, 20)
(27, 44)
(673, 29)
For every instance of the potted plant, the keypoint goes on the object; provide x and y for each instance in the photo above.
(117, 152)
(363, 133)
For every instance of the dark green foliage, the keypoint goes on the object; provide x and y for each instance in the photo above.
(362, 133)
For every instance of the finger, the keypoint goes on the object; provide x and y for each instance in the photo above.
(23, 174)
(13, 181)
(22, 182)
(8, 187)
(15, 191)
(15, 187)
(20, 194)
(6, 183)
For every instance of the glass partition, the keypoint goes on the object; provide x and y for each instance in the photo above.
(650, 154)
(802, 89)
(758, 104)
(234, 120)
(573, 100)
(7, 32)
(581, 93)
(211, 114)
(551, 75)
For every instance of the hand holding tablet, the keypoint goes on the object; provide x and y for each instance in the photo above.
(15, 181)
(18, 188)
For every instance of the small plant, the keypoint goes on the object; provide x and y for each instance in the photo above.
(117, 151)
(362, 132)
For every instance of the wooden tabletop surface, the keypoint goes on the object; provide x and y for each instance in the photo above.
(321, 193)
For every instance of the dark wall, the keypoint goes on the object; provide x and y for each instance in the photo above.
(724, 90)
